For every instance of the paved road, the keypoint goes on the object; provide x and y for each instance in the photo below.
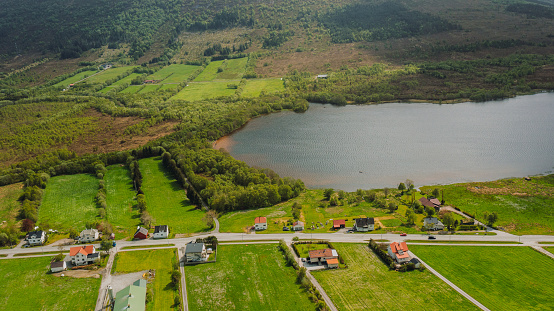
(106, 280)
(456, 288)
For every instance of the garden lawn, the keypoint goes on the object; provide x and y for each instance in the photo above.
(26, 285)
(523, 207)
(304, 249)
(161, 261)
(175, 73)
(229, 69)
(9, 205)
(166, 201)
(205, 90)
(109, 74)
(68, 202)
(501, 278)
(120, 198)
(255, 87)
(368, 284)
(78, 77)
(132, 89)
(245, 277)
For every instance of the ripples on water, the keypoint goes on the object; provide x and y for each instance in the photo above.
(376, 146)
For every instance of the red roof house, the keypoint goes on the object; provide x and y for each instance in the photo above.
(320, 256)
(82, 255)
(142, 233)
(339, 223)
(399, 252)
(260, 223)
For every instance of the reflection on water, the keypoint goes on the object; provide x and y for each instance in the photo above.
(381, 145)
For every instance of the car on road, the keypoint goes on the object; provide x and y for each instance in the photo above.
(431, 237)
(350, 231)
(403, 234)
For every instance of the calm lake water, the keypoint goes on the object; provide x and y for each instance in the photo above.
(375, 146)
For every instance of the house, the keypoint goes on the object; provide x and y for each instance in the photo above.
(161, 232)
(57, 266)
(196, 252)
(431, 203)
(141, 234)
(338, 224)
(399, 252)
(321, 256)
(131, 298)
(435, 201)
(260, 223)
(298, 226)
(364, 224)
(88, 235)
(332, 263)
(416, 262)
(36, 238)
(83, 255)
(432, 223)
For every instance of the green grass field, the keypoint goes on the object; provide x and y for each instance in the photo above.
(160, 260)
(304, 249)
(127, 79)
(166, 201)
(132, 89)
(206, 90)
(106, 89)
(26, 285)
(255, 87)
(245, 277)
(68, 201)
(523, 207)
(109, 74)
(149, 88)
(168, 87)
(175, 73)
(9, 205)
(120, 198)
(549, 249)
(75, 78)
(367, 284)
(231, 69)
(501, 278)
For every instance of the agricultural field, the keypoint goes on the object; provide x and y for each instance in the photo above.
(9, 205)
(168, 87)
(132, 89)
(127, 79)
(78, 77)
(149, 88)
(27, 285)
(255, 87)
(68, 202)
(367, 283)
(481, 272)
(206, 90)
(235, 281)
(120, 198)
(162, 261)
(106, 89)
(523, 207)
(166, 200)
(109, 74)
(223, 69)
(175, 73)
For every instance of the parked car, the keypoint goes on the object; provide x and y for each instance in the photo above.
(349, 231)
(286, 228)
(431, 237)
(403, 234)
(303, 259)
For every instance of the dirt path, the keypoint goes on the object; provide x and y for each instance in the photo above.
(184, 297)
(544, 251)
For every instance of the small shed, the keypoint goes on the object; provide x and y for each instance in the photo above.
(332, 263)
(339, 223)
(141, 234)
(57, 266)
(416, 262)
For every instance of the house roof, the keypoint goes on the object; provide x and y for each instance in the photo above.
(425, 202)
(36, 233)
(332, 261)
(89, 232)
(93, 255)
(363, 222)
(400, 249)
(298, 223)
(415, 261)
(162, 228)
(194, 248)
(142, 230)
(432, 220)
(85, 250)
(132, 297)
(57, 264)
(318, 253)
(435, 201)
(260, 220)
(338, 222)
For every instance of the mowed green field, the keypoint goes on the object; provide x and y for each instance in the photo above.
(501, 278)
(68, 201)
(168, 87)
(120, 198)
(161, 261)
(230, 69)
(75, 78)
(175, 73)
(9, 205)
(132, 89)
(523, 207)
(26, 285)
(149, 88)
(550, 249)
(255, 87)
(368, 284)
(109, 74)
(127, 79)
(245, 277)
(206, 90)
(166, 201)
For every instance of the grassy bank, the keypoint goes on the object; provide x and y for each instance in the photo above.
(120, 197)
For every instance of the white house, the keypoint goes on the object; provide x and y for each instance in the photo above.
(260, 223)
(57, 266)
(36, 238)
(88, 235)
(161, 232)
(298, 226)
(83, 255)
(399, 252)
(196, 252)
(321, 256)
(432, 223)
(364, 224)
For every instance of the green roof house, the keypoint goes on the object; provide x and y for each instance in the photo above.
(132, 297)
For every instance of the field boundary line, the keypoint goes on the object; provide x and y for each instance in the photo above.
(456, 288)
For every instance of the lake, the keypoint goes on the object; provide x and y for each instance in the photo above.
(375, 146)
